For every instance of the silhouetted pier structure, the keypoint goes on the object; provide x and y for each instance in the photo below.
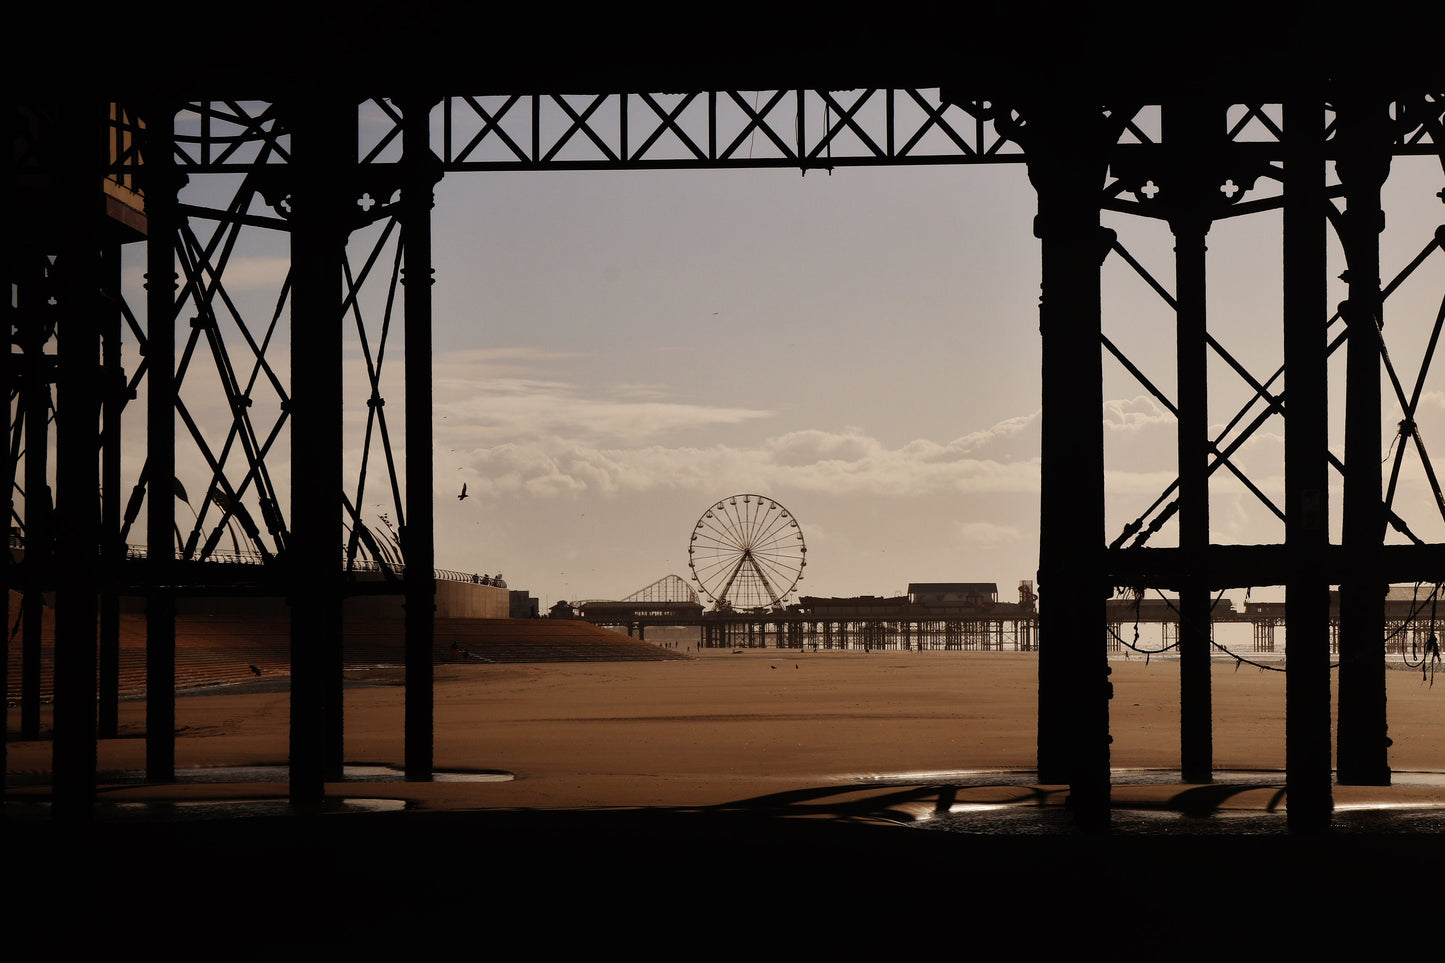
(1410, 621)
(916, 633)
(884, 624)
(1183, 127)
(792, 630)
(943, 615)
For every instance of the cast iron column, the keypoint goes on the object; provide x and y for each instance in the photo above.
(162, 182)
(36, 315)
(422, 171)
(10, 254)
(80, 202)
(324, 155)
(1067, 159)
(112, 553)
(1363, 163)
(1307, 599)
(1188, 126)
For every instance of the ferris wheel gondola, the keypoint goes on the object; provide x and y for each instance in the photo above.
(747, 552)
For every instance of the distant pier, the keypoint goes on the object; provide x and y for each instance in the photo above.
(870, 623)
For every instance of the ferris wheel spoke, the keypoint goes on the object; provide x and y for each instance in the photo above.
(761, 523)
(715, 549)
(773, 528)
(780, 549)
(751, 516)
(773, 566)
(717, 567)
(744, 528)
(717, 541)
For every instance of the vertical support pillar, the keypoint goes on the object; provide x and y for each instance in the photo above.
(324, 153)
(1067, 159)
(1363, 164)
(80, 162)
(162, 183)
(10, 256)
(1188, 125)
(422, 170)
(112, 552)
(1307, 600)
(35, 316)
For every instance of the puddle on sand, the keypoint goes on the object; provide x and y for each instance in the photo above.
(1399, 778)
(232, 808)
(392, 774)
(243, 774)
(1005, 777)
(203, 809)
(212, 775)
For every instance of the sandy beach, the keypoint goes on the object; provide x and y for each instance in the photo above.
(755, 800)
(723, 727)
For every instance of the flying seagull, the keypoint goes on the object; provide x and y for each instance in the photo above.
(464, 492)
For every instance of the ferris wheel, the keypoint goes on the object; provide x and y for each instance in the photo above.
(747, 552)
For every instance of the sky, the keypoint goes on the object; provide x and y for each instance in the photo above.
(615, 352)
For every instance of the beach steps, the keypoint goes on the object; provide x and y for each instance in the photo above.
(541, 640)
(227, 649)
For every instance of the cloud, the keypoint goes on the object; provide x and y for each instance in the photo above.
(807, 447)
(987, 534)
(516, 408)
(511, 396)
(1006, 430)
(837, 463)
(580, 445)
(471, 366)
(1135, 414)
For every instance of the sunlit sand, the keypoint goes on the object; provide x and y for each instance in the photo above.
(721, 727)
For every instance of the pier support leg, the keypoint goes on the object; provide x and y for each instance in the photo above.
(1188, 129)
(1362, 166)
(324, 152)
(81, 131)
(1307, 601)
(1068, 156)
(35, 317)
(112, 551)
(421, 172)
(9, 260)
(162, 183)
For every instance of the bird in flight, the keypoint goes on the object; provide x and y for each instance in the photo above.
(464, 492)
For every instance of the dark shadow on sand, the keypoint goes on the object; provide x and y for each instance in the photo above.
(684, 882)
(1200, 802)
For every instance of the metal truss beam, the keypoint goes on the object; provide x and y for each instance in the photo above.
(802, 129)
(1250, 566)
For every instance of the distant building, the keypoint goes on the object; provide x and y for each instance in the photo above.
(522, 604)
(858, 606)
(623, 611)
(960, 594)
